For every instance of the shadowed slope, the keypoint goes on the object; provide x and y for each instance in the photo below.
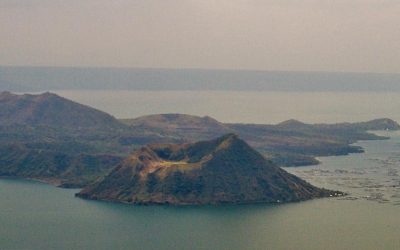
(224, 170)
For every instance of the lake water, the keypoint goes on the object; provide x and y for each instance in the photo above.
(38, 216)
(246, 106)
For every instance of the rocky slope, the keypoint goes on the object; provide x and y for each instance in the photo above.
(224, 170)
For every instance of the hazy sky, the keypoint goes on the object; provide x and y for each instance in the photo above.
(327, 35)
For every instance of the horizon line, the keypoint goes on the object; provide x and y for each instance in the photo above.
(198, 69)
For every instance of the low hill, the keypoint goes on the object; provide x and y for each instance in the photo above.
(376, 124)
(223, 170)
(292, 124)
(52, 110)
(185, 127)
(290, 143)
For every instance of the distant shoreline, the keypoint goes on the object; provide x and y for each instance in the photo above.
(26, 79)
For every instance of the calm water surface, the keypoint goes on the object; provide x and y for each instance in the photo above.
(246, 106)
(38, 216)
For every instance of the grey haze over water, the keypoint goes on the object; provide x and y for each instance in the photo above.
(36, 79)
(292, 35)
